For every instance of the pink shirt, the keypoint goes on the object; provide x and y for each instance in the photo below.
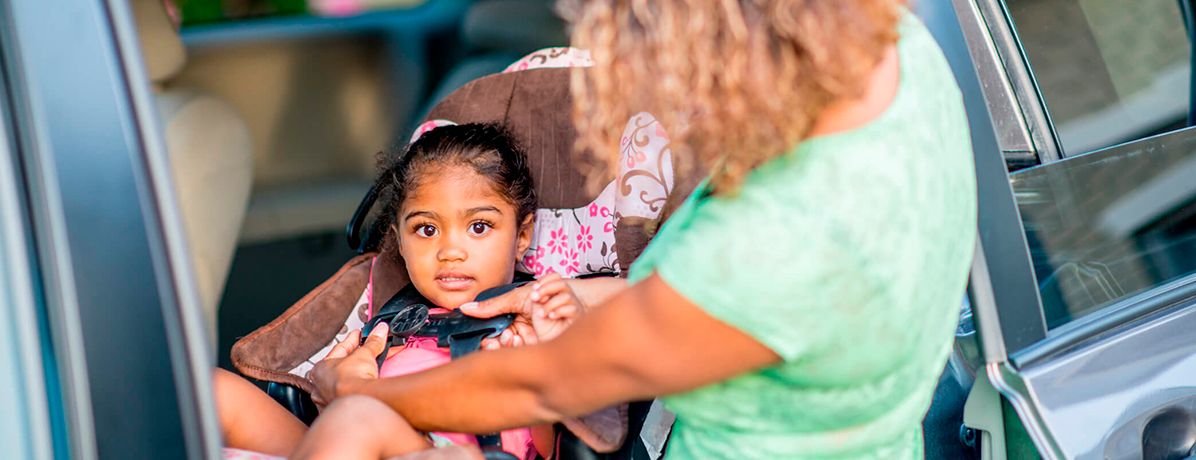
(420, 354)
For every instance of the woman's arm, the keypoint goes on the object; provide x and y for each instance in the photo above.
(645, 341)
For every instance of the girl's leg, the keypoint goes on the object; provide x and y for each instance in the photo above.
(360, 427)
(251, 420)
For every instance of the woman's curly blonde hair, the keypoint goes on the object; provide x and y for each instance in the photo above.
(735, 82)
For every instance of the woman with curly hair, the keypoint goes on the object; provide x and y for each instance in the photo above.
(801, 303)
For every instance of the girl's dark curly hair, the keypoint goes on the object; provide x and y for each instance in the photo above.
(487, 148)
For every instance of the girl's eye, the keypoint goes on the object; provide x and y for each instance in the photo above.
(479, 228)
(426, 231)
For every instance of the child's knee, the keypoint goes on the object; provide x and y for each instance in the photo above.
(357, 407)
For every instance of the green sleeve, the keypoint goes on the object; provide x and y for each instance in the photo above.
(768, 262)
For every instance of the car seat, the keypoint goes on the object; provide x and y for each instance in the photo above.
(577, 232)
(210, 154)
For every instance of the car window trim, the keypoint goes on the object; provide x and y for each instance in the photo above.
(62, 179)
(18, 304)
(1021, 77)
(1013, 135)
(49, 247)
(191, 360)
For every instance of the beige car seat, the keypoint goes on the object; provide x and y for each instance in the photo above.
(210, 154)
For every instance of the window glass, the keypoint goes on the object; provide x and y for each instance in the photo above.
(1110, 224)
(1110, 71)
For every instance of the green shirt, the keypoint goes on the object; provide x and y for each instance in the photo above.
(848, 257)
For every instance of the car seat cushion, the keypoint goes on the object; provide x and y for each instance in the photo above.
(295, 337)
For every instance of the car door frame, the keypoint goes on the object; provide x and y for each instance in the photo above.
(1009, 316)
(119, 298)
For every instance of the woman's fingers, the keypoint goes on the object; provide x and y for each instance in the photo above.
(508, 302)
(376, 343)
(346, 346)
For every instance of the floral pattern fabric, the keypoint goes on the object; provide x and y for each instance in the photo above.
(552, 58)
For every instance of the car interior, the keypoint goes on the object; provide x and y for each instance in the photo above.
(273, 114)
(273, 127)
(274, 122)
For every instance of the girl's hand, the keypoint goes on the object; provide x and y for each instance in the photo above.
(554, 306)
(348, 366)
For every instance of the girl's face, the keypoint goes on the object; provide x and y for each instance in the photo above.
(458, 236)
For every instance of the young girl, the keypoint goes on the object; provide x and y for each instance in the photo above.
(459, 208)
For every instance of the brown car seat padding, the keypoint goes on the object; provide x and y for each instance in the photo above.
(534, 105)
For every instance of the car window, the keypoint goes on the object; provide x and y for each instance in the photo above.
(1109, 71)
(1110, 224)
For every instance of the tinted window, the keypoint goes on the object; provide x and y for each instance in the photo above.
(1110, 71)
(1110, 224)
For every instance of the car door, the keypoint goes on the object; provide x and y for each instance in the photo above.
(103, 354)
(1084, 289)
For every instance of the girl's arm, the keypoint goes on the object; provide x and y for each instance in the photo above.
(646, 341)
(595, 291)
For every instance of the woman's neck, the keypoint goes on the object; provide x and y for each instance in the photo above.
(850, 113)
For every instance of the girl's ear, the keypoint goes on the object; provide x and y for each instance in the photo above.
(524, 239)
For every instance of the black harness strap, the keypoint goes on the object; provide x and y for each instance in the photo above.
(407, 315)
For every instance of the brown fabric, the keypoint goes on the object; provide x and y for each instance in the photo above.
(274, 349)
(390, 275)
(534, 106)
(631, 238)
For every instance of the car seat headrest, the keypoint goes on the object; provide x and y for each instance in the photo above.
(534, 107)
(578, 231)
(161, 46)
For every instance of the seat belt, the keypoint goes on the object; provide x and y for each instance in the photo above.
(407, 315)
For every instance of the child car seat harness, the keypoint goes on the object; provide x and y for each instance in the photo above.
(407, 314)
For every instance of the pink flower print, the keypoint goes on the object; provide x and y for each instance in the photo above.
(634, 157)
(608, 227)
(531, 262)
(593, 209)
(569, 263)
(585, 240)
(557, 241)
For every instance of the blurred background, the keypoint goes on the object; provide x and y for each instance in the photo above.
(274, 112)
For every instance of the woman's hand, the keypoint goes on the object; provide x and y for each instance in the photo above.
(543, 309)
(348, 366)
